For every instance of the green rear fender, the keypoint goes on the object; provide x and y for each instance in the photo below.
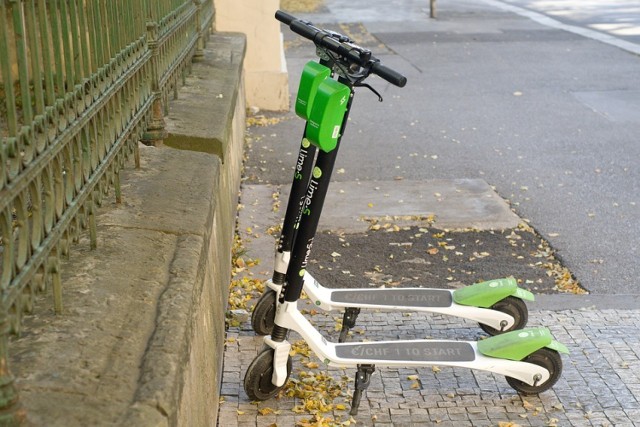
(486, 294)
(517, 345)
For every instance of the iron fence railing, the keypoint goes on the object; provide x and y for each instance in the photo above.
(81, 82)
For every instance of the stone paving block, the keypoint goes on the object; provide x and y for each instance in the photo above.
(230, 420)
(477, 418)
(382, 417)
(453, 424)
(446, 404)
(396, 412)
(459, 417)
(438, 414)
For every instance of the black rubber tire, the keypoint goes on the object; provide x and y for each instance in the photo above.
(257, 379)
(548, 359)
(264, 313)
(514, 307)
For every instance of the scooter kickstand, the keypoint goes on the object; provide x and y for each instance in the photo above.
(348, 322)
(363, 378)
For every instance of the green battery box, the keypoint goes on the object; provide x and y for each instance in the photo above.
(312, 75)
(327, 114)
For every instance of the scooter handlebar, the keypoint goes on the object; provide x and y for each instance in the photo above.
(303, 29)
(389, 75)
(284, 17)
(324, 39)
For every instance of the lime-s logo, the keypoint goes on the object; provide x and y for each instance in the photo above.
(301, 158)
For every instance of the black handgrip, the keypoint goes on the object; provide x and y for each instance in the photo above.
(284, 17)
(389, 75)
(303, 29)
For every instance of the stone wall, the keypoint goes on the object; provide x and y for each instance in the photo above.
(141, 337)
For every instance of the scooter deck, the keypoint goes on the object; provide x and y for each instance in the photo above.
(408, 351)
(407, 297)
(434, 300)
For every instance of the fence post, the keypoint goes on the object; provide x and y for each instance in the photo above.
(156, 131)
(200, 45)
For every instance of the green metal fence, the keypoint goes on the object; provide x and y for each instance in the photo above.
(81, 82)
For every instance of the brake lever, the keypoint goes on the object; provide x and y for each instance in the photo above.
(371, 89)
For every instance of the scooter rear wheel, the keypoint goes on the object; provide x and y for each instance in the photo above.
(264, 313)
(546, 358)
(257, 379)
(515, 308)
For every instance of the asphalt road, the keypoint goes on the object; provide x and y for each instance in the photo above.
(548, 117)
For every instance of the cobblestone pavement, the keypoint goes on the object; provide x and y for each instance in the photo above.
(600, 384)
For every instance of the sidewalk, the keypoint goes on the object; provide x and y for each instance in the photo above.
(600, 384)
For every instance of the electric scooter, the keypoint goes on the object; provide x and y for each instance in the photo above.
(529, 358)
(497, 305)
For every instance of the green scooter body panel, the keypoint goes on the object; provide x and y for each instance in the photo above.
(485, 294)
(517, 345)
(327, 114)
(312, 75)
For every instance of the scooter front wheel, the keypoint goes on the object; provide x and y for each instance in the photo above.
(515, 308)
(546, 358)
(257, 379)
(264, 313)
